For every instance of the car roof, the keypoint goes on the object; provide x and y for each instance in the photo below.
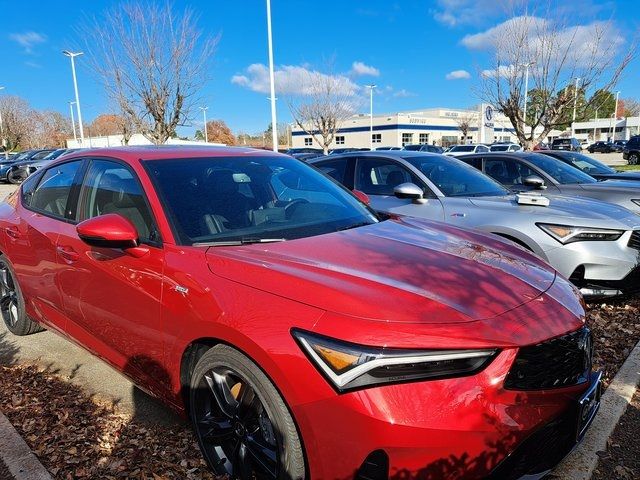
(397, 154)
(169, 152)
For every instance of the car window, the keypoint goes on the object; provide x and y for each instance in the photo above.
(507, 171)
(462, 148)
(110, 187)
(379, 176)
(336, 169)
(52, 192)
(558, 170)
(587, 164)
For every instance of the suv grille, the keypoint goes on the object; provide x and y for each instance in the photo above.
(634, 241)
(559, 362)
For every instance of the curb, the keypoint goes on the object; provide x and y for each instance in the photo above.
(581, 463)
(17, 456)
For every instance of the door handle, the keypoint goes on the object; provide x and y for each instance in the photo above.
(12, 232)
(68, 253)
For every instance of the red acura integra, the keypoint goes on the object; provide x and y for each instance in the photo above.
(304, 335)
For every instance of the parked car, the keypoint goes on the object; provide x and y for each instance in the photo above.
(424, 148)
(631, 151)
(5, 166)
(218, 279)
(540, 146)
(564, 232)
(505, 147)
(19, 171)
(343, 150)
(566, 144)
(621, 144)
(389, 148)
(592, 167)
(522, 171)
(456, 150)
(603, 147)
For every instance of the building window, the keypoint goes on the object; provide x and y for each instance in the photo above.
(424, 138)
(376, 138)
(308, 141)
(340, 140)
(407, 139)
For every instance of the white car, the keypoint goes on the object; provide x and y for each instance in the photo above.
(467, 149)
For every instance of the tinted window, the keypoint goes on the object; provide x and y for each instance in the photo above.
(560, 171)
(27, 189)
(335, 169)
(463, 148)
(379, 176)
(455, 178)
(110, 187)
(507, 171)
(52, 192)
(587, 164)
(204, 200)
(499, 148)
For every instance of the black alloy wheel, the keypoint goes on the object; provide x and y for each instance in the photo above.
(12, 307)
(242, 425)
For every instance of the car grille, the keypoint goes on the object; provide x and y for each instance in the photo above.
(559, 362)
(634, 241)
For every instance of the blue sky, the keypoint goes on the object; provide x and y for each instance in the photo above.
(406, 47)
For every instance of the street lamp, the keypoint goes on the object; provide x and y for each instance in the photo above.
(575, 101)
(73, 122)
(526, 88)
(2, 143)
(274, 131)
(614, 115)
(72, 56)
(371, 87)
(204, 113)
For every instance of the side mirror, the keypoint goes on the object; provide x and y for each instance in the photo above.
(535, 182)
(109, 231)
(363, 197)
(409, 190)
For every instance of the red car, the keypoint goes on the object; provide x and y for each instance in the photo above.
(304, 335)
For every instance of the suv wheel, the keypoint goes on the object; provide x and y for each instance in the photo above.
(633, 158)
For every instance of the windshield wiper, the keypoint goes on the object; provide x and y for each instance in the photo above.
(354, 225)
(242, 241)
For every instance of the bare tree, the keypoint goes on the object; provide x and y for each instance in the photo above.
(631, 107)
(16, 121)
(152, 61)
(557, 54)
(465, 122)
(323, 103)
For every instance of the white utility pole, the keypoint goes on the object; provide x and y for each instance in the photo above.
(526, 91)
(73, 122)
(274, 130)
(72, 56)
(594, 127)
(371, 87)
(612, 127)
(575, 101)
(2, 142)
(204, 113)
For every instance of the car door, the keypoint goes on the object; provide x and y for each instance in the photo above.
(42, 213)
(377, 177)
(511, 173)
(112, 299)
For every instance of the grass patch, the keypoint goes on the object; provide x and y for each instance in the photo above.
(626, 168)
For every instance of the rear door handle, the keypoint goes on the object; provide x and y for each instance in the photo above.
(68, 253)
(12, 232)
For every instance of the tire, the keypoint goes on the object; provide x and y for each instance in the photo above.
(633, 158)
(13, 178)
(236, 411)
(12, 307)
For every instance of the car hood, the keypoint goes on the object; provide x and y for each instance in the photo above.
(399, 270)
(568, 210)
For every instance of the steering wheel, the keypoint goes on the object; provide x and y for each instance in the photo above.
(290, 207)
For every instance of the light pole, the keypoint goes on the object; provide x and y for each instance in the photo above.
(6, 155)
(72, 56)
(274, 130)
(73, 122)
(204, 113)
(371, 87)
(526, 89)
(614, 115)
(594, 127)
(575, 101)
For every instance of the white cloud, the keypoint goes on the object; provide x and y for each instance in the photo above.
(457, 75)
(404, 94)
(504, 71)
(360, 68)
(461, 12)
(293, 80)
(28, 40)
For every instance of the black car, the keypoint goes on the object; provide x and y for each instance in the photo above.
(591, 166)
(337, 151)
(389, 148)
(27, 155)
(425, 147)
(631, 151)
(603, 147)
(621, 144)
(20, 170)
(572, 144)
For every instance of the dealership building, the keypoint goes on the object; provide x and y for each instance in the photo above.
(607, 129)
(436, 126)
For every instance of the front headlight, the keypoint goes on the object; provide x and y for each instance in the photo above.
(569, 233)
(348, 365)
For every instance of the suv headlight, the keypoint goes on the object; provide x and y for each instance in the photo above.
(569, 233)
(348, 365)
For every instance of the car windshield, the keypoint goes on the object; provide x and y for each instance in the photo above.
(499, 148)
(562, 141)
(455, 178)
(558, 170)
(462, 148)
(237, 200)
(587, 164)
(21, 156)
